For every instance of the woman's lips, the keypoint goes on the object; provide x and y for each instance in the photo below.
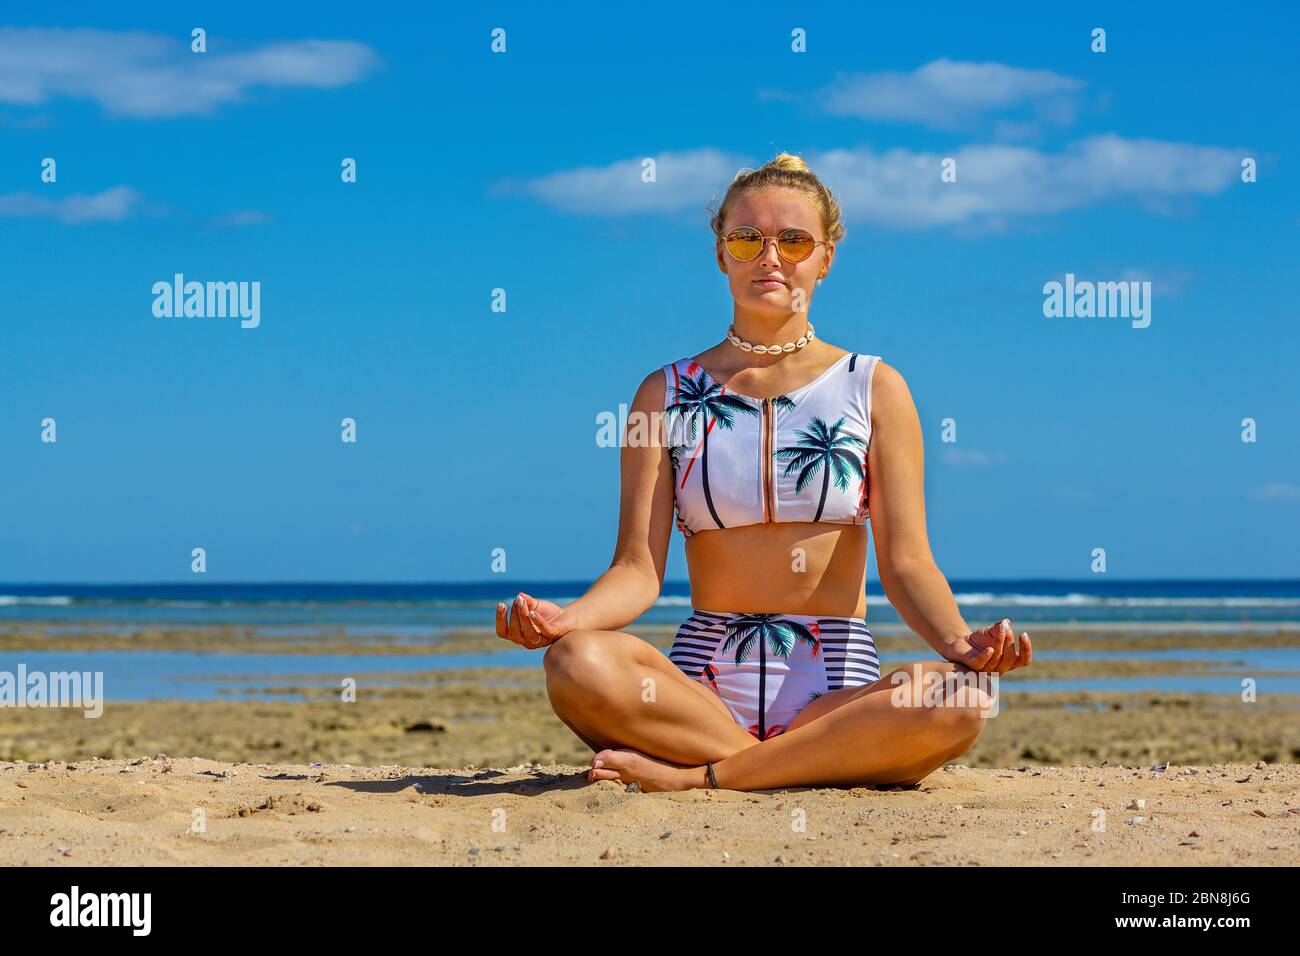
(769, 284)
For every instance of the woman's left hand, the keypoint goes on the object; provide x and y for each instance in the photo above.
(991, 649)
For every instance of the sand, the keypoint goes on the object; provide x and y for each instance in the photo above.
(397, 776)
(187, 811)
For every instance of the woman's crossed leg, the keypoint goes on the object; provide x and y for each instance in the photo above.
(651, 724)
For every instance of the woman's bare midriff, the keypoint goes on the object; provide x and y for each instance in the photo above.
(780, 568)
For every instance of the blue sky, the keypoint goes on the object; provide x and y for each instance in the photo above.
(478, 171)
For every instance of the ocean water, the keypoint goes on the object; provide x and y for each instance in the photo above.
(186, 675)
(422, 612)
(425, 610)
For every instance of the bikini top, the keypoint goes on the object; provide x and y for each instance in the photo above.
(801, 456)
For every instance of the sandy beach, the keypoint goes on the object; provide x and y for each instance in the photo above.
(190, 811)
(470, 766)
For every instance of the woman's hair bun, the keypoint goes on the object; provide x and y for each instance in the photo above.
(789, 161)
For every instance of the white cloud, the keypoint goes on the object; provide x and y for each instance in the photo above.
(948, 95)
(901, 189)
(682, 180)
(110, 205)
(154, 75)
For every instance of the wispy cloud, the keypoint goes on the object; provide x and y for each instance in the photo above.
(996, 185)
(111, 205)
(1163, 281)
(973, 458)
(902, 189)
(1277, 491)
(152, 75)
(243, 217)
(951, 95)
(682, 180)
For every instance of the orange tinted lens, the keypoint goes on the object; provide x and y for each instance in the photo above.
(796, 245)
(744, 243)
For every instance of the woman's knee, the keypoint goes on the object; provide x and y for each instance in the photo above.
(586, 661)
(956, 700)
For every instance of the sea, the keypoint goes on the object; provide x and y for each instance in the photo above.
(422, 612)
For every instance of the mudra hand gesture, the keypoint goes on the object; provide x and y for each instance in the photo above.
(991, 649)
(531, 622)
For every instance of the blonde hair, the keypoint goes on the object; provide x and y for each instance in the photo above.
(792, 172)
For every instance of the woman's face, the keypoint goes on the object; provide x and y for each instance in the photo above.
(770, 210)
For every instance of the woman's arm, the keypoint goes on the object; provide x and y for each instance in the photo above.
(636, 573)
(909, 575)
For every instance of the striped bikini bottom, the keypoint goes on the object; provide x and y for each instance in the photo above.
(768, 667)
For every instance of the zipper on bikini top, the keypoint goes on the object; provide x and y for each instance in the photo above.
(765, 451)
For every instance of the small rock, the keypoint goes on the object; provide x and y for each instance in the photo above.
(1194, 833)
(725, 856)
(1259, 813)
(1137, 805)
(1136, 821)
(666, 834)
(1021, 833)
(609, 854)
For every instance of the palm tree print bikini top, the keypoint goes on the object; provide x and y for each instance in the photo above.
(739, 460)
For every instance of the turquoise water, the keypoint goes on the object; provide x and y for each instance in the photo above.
(184, 675)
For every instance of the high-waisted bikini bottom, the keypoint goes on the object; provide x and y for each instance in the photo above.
(768, 667)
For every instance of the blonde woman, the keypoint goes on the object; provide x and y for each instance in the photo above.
(780, 447)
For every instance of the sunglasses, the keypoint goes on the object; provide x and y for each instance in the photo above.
(793, 245)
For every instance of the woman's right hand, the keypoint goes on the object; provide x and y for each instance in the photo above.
(531, 622)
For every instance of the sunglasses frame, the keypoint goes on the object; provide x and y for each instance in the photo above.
(763, 238)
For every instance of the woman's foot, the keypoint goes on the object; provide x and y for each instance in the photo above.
(652, 776)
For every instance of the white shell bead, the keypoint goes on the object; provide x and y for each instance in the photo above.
(799, 343)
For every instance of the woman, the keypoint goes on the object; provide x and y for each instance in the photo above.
(773, 680)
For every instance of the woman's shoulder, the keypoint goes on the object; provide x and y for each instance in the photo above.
(654, 387)
(669, 372)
